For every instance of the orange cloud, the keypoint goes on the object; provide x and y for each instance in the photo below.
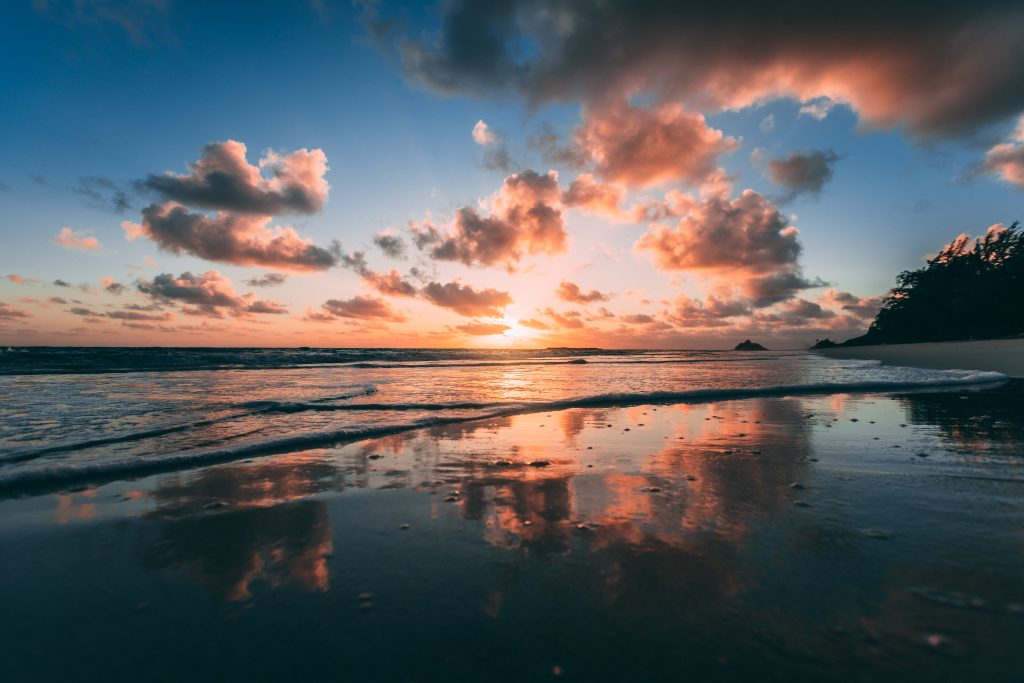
(482, 329)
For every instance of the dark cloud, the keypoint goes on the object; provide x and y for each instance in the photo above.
(268, 280)
(209, 294)
(358, 308)
(770, 289)
(571, 292)
(103, 193)
(223, 179)
(390, 244)
(803, 172)
(230, 238)
(937, 67)
(467, 301)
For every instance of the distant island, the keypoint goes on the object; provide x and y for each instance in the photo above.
(969, 290)
(749, 346)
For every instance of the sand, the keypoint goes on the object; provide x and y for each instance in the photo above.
(1001, 355)
(807, 538)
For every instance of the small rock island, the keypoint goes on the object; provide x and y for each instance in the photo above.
(749, 346)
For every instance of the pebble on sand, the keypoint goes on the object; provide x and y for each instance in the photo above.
(540, 463)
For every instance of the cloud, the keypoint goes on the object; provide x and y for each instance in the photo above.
(1007, 159)
(588, 193)
(767, 290)
(715, 233)
(103, 193)
(767, 124)
(229, 238)
(209, 294)
(224, 180)
(70, 239)
(112, 286)
(572, 320)
(390, 244)
(571, 292)
(804, 172)
(482, 329)
(142, 21)
(525, 217)
(638, 146)
(390, 283)
(535, 324)
(795, 313)
(22, 280)
(865, 308)
(9, 312)
(466, 301)
(357, 308)
(687, 312)
(818, 108)
(268, 280)
(937, 68)
(483, 135)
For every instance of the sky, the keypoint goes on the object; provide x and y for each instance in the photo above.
(514, 173)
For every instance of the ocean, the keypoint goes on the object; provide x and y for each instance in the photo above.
(70, 414)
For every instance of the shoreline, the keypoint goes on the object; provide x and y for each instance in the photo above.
(999, 355)
(544, 543)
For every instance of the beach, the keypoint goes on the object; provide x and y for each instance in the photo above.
(1001, 355)
(850, 535)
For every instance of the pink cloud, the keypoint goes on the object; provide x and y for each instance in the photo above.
(523, 217)
(9, 312)
(639, 147)
(571, 292)
(70, 239)
(466, 301)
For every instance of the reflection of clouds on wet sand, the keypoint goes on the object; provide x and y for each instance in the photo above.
(232, 527)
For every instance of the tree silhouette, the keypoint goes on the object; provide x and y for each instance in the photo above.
(969, 290)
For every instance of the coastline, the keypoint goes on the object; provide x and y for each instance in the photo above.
(867, 532)
(999, 355)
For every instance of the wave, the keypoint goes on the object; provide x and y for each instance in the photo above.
(111, 468)
(26, 454)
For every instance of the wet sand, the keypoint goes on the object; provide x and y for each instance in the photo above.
(1002, 355)
(847, 537)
